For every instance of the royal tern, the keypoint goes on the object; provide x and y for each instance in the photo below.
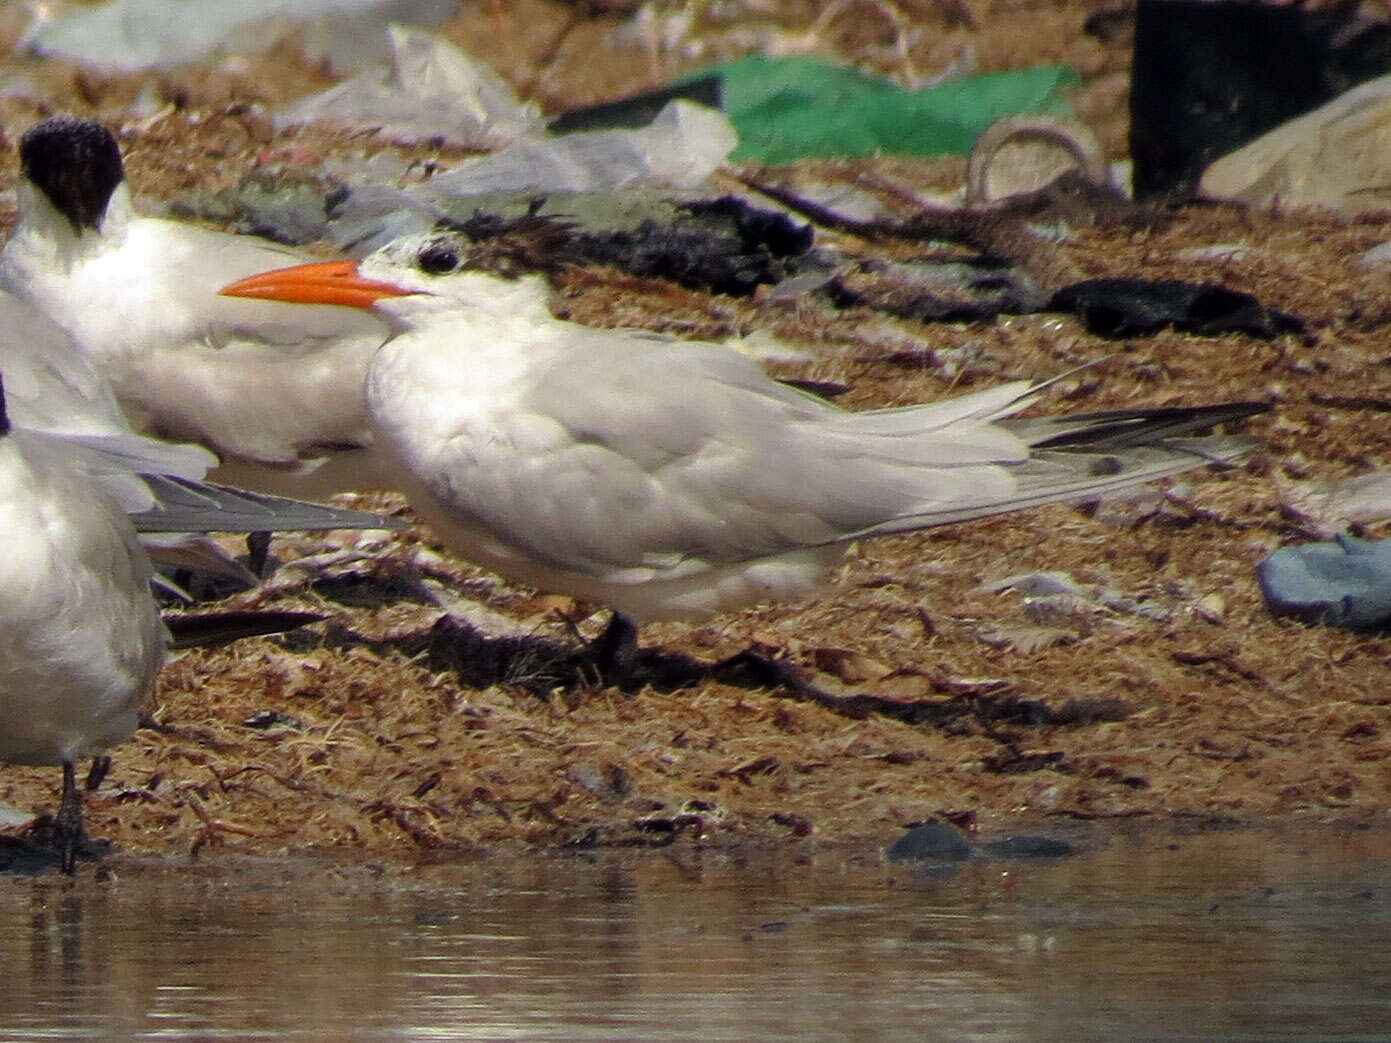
(52, 386)
(276, 392)
(674, 479)
(80, 637)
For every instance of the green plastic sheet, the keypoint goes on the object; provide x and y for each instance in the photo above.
(787, 109)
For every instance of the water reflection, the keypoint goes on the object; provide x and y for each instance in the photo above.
(1204, 936)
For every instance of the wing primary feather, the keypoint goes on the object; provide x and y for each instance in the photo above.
(189, 506)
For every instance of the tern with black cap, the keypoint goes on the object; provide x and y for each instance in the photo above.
(276, 392)
(673, 479)
(52, 386)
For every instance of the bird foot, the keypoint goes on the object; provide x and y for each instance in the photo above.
(68, 824)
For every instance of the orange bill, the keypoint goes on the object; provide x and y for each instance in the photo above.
(326, 282)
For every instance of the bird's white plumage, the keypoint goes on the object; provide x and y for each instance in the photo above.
(80, 636)
(674, 480)
(275, 391)
(666, 479)
(52, 387)
(49, 382)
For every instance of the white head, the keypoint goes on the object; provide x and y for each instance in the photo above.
(406, 281)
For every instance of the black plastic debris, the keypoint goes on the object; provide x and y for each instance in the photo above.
(1207, 77)
(756, 228)
(727, 247)
(638, 110)
(1344, 583)
(1124, 307)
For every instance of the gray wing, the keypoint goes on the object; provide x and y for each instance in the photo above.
(159, 485)
(182, 505)
(639, 460)
(117, 463)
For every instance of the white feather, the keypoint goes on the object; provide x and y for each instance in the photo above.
(274, 390)
(670, 479)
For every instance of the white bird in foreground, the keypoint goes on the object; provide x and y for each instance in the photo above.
(675, 480)
(80, 636)
(276, 392)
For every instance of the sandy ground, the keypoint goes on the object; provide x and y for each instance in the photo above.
(362, 735)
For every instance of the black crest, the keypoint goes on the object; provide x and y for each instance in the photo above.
(76, 163)
(510, 246)
(4, 413)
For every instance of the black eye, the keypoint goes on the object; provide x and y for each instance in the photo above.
(438, 259)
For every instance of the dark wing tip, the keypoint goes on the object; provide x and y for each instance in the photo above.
(76, 163)
(1131, 427)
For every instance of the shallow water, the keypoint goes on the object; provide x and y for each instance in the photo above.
(1144, 936)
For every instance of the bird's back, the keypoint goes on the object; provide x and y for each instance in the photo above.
(269, 386)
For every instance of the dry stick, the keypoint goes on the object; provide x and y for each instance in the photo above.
(995, 233)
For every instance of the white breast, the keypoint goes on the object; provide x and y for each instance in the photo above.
(80, 635)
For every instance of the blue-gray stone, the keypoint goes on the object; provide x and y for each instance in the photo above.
(1345, 583)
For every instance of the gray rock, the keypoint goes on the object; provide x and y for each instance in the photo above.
(935, 841)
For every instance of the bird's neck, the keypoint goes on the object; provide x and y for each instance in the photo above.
(43, 228)
(474, 298)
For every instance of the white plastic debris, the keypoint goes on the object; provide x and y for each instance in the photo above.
(134, 35)
(766, 346)
(431, 90)
(1219, 253)
(13, 818)
(1053, 598)
(1377, 256)
(796, 287)
(370, 216)
(681, 147)
(1338, 156)
(1023, 639)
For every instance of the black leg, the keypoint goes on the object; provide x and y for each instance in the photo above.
(257, 552)
(101, 765)
(69, 821)
(615, 651)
